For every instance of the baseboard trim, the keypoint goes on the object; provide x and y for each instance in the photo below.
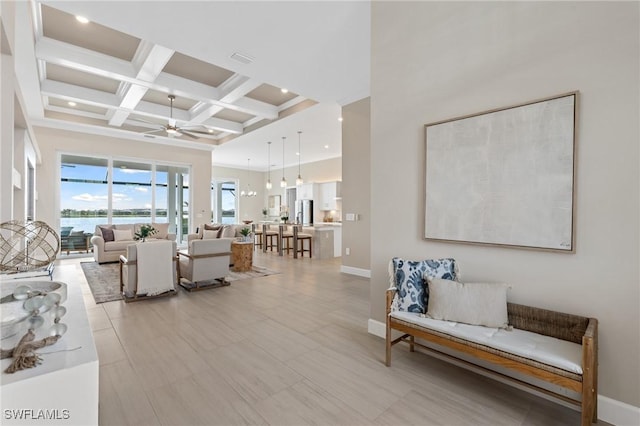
(609, 410)
(377, 328)
(617, 412)
(366, 273)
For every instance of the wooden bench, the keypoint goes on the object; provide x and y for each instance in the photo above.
(572, 328)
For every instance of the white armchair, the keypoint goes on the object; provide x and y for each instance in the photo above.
(205, 265)
(148, 270)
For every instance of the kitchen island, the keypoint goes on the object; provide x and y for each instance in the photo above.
(336, 229)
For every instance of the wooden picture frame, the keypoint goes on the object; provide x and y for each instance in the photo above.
(504, 177)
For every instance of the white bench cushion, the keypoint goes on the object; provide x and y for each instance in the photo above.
(547, 350)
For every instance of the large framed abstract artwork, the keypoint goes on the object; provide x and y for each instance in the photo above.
(504, 177)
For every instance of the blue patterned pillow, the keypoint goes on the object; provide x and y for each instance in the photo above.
(410, 277)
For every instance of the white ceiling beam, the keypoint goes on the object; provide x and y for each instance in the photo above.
(69, 92)
(292, 102)
(236, 86)
(223, 125)
(209, 145)
(202, 111)
(68, 55)
(149, 59)
(77, 112)
(263, 109)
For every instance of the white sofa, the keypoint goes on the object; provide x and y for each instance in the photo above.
(109, 250)
(211, 230)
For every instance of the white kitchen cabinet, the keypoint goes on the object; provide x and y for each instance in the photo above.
(329, 195)
(306, 191)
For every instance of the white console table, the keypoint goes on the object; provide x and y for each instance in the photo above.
(65, 386)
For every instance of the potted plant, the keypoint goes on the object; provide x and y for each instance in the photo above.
(265, 212)
(144, 232)
(246, 234)
(284, 219)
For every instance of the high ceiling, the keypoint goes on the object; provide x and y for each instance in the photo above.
(225, 63)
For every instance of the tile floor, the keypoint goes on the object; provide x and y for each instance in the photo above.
(286, 349)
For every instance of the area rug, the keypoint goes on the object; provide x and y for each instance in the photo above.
(104, 280)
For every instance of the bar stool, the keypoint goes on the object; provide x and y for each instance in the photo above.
(287, 236)
(268, 239)
(257, 236)
(302, 237)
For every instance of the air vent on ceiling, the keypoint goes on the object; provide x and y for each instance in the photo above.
(240, 57)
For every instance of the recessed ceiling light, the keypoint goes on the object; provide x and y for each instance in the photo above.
(340, 118)
(283, 90)
(82, 19)
(71, 103)
(210, 130)
(326, 147)
(298, 154)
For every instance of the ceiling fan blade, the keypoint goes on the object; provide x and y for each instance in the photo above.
(153, 131)
(191, 135)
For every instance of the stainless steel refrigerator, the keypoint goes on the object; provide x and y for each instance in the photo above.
(304, 212)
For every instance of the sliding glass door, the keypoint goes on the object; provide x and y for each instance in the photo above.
(97, 191)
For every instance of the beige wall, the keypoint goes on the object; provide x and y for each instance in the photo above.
(52, 142)
(444, 60)
(356, 183)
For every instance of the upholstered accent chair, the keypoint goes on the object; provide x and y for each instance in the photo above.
(205, 264)
(148, 270)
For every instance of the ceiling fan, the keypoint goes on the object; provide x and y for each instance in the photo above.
(172, 129)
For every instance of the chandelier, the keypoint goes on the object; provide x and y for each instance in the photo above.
(248, 192)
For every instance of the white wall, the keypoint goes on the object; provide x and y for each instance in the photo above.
(437, 60)
(52, 142)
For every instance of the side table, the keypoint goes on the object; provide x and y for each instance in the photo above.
(242, 255)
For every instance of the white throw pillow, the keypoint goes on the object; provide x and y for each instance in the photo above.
(162, 230)
(122, 235)
(206, 234)
(470, 303)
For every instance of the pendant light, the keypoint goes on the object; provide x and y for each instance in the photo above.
(248, 192)
(283, 182)
(269, 185)
(299, 180)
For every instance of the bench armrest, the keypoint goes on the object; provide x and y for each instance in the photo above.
(390, 293)
(592, 329)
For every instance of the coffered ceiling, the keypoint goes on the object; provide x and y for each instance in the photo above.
(225, 63)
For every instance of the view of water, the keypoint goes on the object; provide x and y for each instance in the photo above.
(88, 224)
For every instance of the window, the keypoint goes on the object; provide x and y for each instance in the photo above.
(224, 200)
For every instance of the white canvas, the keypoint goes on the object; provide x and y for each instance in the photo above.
(504, 177)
